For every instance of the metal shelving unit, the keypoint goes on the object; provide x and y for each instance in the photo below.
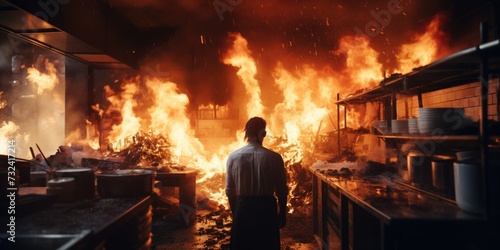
(475, 64)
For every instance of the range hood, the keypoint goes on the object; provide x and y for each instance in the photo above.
(86, 30)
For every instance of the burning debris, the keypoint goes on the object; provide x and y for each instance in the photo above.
(145, 149)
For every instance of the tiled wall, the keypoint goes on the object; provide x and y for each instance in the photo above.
(466, 96)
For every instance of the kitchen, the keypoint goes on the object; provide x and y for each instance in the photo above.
(166, 86)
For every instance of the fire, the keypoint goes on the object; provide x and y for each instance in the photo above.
(7, 133)
(38, 116)
(165, 113)
(425, 47)
(239, 56)
(301, 108)
(3, 102)
(362, 66)
(168, 114)
(43, 81)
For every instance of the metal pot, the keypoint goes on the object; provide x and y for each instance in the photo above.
(125, 182)
(84, 181)
(419, 168)
(442, 175)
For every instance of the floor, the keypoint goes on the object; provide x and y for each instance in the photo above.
(211, 230)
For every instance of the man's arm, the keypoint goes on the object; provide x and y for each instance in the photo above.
(230, 187)
(281, 191)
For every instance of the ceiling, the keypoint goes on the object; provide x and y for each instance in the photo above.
(101, 37)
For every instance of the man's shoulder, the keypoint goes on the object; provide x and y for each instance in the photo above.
(272, 153)
(238, 151)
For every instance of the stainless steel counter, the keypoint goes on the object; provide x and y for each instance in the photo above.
(377, 212)
(97, 222)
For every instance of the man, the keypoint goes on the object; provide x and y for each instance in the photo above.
(254, 175)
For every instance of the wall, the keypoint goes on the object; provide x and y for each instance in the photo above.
(466, 96)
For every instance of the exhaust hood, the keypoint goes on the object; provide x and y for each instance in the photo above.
(86, 30)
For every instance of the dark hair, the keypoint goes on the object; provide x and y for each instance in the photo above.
(253, 127)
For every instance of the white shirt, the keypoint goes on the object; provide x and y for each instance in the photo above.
(254, 170)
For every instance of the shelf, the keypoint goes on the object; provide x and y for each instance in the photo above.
(454, 70)
(432, 137)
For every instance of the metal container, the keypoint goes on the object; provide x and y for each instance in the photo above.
(419, 168)
(84, 181)
(468, 187)
(442, 175)
(63, 187)
(125, 182)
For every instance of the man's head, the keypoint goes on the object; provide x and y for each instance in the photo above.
(255, 130)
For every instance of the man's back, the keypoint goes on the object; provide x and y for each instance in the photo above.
(255, 171)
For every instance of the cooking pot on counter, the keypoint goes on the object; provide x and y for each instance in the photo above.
(125, 182)
(84, 181)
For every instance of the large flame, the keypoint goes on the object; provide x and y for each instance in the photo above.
(239, 56)
(425, 47)
(43, 81)
(37, 117)
(7, 133)
(301, 108)
(362, 64)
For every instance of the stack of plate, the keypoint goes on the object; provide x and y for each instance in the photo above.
(438, 121)
(381, 126)
(413, 126)
(399, 126)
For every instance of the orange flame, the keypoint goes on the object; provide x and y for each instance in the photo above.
(7, 132)
(43, 81)
(239, 56)
(125, 102)
(362, 66)
(425, 47)
(3, 102)
(45, 124)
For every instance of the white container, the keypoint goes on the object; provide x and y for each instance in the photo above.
(469, 187)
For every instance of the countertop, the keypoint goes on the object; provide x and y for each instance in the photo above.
(388, 199)
(99, 216)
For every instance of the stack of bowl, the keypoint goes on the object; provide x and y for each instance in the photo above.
(440, 120)
(413, 126)
(399, 126)
(382, 126)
